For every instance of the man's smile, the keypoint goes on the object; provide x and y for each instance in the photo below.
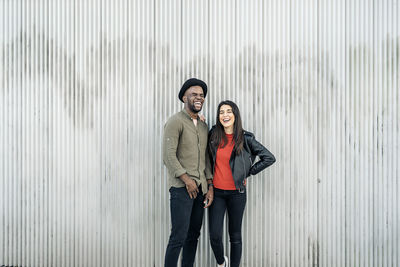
(198, 104)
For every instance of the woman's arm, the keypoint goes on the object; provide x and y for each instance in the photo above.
(266, 157)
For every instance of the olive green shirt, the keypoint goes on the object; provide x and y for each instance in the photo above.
(184, 150)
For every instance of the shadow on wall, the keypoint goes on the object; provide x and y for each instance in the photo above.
(85, 78)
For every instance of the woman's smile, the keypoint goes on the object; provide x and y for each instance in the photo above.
(227, 118)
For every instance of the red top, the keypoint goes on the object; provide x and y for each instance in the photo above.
(223, 178)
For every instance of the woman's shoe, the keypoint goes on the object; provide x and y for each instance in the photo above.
(225, 264)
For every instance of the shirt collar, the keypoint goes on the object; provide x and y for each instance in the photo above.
(187, 114)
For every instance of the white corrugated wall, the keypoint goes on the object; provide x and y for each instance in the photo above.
(86, 86)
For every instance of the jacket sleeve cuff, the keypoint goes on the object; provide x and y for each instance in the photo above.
(179, 172)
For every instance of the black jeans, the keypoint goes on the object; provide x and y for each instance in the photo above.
(235, 203)
(186, 219)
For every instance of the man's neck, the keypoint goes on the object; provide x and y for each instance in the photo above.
(191, 113)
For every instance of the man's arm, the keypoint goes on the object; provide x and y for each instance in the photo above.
(208, 172)
(172, 131)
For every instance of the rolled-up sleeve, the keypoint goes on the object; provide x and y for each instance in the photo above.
(172, 130)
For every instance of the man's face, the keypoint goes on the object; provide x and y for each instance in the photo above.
(194, 98)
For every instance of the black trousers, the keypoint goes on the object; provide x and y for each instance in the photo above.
(186, 219)
(234, 203)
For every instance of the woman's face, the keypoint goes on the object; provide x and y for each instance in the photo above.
(226, 117)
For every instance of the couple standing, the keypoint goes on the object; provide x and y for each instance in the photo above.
(208, 170)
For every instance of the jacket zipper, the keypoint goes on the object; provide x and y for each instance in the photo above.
(244, 173)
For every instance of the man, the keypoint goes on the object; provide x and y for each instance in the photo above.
(189, 173)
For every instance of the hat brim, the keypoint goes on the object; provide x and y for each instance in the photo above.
(189, 83)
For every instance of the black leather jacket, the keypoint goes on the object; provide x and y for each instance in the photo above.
(242, 165)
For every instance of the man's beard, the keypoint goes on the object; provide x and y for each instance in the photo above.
(193, 109)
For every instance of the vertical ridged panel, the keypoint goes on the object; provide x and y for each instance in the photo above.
(86, 87)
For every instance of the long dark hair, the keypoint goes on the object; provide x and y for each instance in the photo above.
(218, 135)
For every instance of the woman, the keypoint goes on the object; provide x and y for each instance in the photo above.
(232, 152)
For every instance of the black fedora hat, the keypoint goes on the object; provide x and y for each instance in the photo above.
(192, 82)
